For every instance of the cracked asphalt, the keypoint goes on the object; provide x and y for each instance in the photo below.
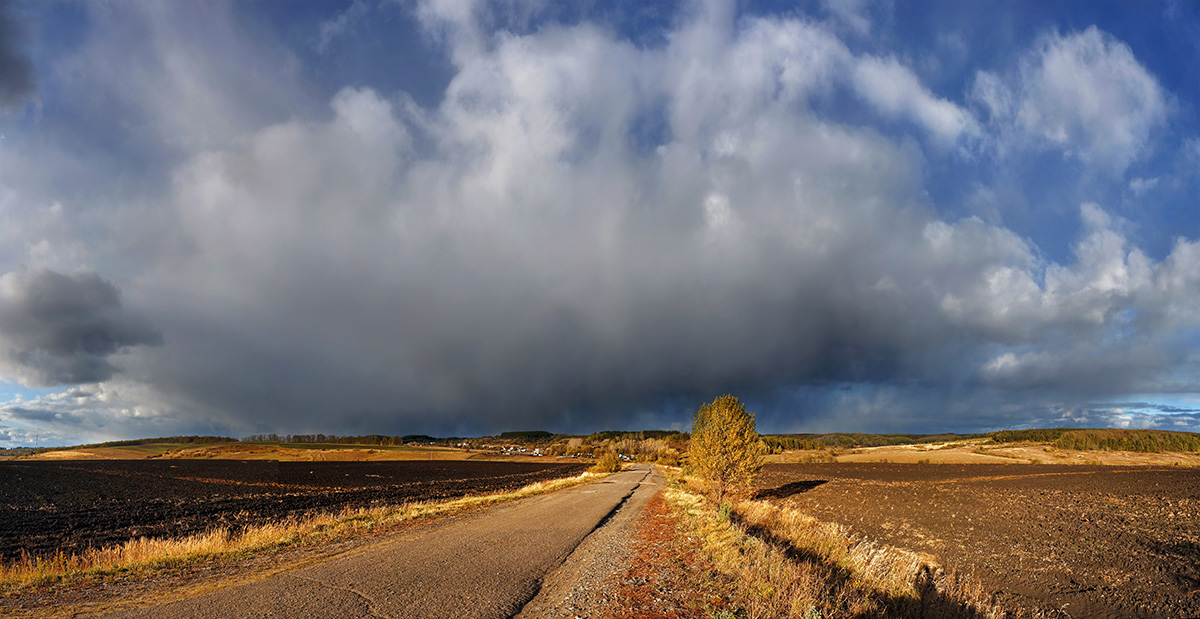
(487, 564)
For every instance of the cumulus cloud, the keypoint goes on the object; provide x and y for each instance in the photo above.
(441, 281)
(18, 79)
(1084, 93)
(109, 410)
(895, 91)
(63, 329)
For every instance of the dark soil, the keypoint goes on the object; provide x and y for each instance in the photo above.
(46, 507)
(1063, 540)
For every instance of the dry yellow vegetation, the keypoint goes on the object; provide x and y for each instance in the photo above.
(726, 450)
(984, 451)
(787, 564)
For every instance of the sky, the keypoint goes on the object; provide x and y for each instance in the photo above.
(459, 217)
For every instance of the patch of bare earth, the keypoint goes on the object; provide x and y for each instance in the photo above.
(1060, 541)
(668, 577)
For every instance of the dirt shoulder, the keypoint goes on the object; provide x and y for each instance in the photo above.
(582, 587)
(667, 574)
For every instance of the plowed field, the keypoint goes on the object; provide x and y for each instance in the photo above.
(48, 506)
(1072, 541)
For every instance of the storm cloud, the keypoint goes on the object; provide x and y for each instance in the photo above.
(18, 79)
(58, 329)
(585, 233)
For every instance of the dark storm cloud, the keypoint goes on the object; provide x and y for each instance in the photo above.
(17, 77)
(60, 329)
(21, 413)
(513, 258)
(525, 253)
(1162, 408)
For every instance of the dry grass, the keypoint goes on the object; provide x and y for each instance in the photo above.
(330, 453)
(984, 451)
(130, 452)
(146, 556)
(788, 564)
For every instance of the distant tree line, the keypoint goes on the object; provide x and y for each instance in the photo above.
(662, 446)
(180, 440)
(1043, 435)
(366, 439)
(665, 446)
(527, 435)
(1144, 441)
(13, 452)
(850, 440)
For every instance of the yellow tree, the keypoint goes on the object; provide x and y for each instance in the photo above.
(726, 450)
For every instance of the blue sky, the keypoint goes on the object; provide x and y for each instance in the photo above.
(458, 217)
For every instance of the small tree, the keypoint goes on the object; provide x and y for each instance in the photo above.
(726, 450)
(607, 463)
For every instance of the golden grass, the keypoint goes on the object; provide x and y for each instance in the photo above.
(129, 452)
(788, 564)
(984, 451)
(330, 453)
(147, 555)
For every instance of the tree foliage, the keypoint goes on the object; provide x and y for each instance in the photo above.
(726, 449)
(1105, 439)
(852, 440)
(608, 462)
(1145, 441)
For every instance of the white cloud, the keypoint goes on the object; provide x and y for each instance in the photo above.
(1140, 186)
(852, 13)
(1013, 295)
(990, 90)
(1084, 93)
(895, 91)
(104, 411)
(718, 83)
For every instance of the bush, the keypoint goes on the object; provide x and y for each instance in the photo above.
(726, 450)
(607, 463)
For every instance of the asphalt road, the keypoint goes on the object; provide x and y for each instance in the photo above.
(488, 564)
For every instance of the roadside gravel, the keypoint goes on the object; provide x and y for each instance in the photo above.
(582, 587)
